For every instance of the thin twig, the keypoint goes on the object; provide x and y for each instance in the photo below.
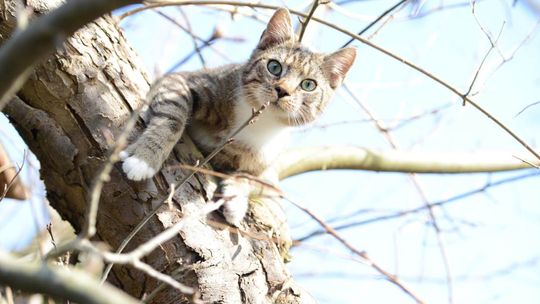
(162, 277)
(198, 49)
(397, 123)
(441, 8)
(493, 46)
(193, 38)
(169, 199)
(385, 22)
(527, 162)
(492, 41)
(390, 277)
(509, 57)
(416, 182)
(372, 23)
(134, 258)
(399, 214)
(528, 106)
(241, 175)
(14, 179)
(307, 19)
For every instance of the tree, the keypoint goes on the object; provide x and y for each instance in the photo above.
(72, 111)
(68, 110)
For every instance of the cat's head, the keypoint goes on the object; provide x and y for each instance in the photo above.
(298, 82)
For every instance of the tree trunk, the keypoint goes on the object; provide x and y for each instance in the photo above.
(68, 113)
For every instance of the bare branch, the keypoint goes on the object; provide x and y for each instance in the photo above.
(442, 7)
(399, 214)
(302, 160)
(10, 182)
(384, 14)
(416, 182)
(193, 38)
(528, 106)
(305, 22)
(390, 277)
(73, 285)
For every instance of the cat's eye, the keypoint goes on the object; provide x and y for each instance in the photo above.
(274, 67)
(308, 85)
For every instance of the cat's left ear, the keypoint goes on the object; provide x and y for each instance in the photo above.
(278, 30)
(337, 64)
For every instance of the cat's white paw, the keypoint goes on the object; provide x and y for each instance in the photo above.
(235, 209)
(236, 206)
(137, 169)
(123, 155)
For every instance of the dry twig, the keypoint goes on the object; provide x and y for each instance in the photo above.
(455, 198)
(390, 277)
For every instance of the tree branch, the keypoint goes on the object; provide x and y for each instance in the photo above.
(306, 21)
(67, 284)
(19, 54)
(387, 275)
(372, 23)
(302, 160)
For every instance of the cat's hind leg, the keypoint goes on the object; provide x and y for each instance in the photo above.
(235, 195)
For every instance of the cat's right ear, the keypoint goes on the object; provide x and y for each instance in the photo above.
(278, 30)
(337, 64)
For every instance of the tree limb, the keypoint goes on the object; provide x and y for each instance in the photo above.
(72, 284)
(25, 48)
(302, 160)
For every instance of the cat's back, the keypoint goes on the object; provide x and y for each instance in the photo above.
(214, 82)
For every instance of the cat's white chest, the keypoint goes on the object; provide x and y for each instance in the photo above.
(267, 136)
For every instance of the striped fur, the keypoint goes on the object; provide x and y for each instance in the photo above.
(212, 104)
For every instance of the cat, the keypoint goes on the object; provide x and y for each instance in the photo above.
(211, 104)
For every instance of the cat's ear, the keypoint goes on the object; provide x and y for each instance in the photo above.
(278, 30)
(337, 64)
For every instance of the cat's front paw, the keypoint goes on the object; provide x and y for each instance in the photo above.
(135, 168)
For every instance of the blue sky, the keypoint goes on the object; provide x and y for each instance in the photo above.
(492, 239)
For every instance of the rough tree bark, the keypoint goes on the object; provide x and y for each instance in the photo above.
(68, 113)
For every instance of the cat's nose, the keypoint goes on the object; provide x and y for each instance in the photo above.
(281, 92)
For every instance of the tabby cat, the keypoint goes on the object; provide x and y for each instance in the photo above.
(212, 104)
